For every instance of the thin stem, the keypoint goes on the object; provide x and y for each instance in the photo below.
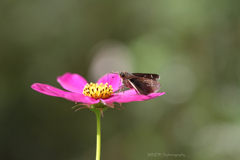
(98, 141)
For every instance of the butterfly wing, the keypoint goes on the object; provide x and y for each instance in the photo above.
(147, 75)
(145, 86)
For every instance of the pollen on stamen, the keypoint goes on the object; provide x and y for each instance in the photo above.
(98, 91)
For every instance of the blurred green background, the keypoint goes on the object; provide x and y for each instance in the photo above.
(193, 45)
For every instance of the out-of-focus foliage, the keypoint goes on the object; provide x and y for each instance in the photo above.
(193, 45)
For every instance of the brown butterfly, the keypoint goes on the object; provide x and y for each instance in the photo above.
(143, 83)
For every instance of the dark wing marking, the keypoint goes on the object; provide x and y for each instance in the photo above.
(145, 86)
(147, 75)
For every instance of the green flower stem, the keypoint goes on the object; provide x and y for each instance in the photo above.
(98, 141)
(98, 109)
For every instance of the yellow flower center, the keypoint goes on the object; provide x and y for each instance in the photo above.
(98, 91)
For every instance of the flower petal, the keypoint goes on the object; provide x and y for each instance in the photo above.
(52, 91)
(79, 97)
(72, 82)
(130, 96)
(48, 90)
(112, 79)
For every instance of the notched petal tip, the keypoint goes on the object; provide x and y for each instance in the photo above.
(72, 82)
(48, 90)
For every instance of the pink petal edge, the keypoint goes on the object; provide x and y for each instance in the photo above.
(72, 82)
(130, 96)
(48, 90)
(112, 79)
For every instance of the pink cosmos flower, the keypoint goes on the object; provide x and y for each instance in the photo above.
(103, 91)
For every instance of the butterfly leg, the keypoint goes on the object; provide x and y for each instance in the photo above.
(134, 87)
